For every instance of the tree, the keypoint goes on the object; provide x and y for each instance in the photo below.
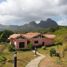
(30, 45)
(4, 35)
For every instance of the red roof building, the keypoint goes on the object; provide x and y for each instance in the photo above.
(36, 39)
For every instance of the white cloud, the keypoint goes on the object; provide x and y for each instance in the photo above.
(6, 18)
(63, 22)
(28, 10)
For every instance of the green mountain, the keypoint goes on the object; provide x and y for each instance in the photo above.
(31, 26)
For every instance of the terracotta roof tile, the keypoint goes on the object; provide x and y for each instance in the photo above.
(51, 36)
(27, 35)
(15, 36)
(31, 34)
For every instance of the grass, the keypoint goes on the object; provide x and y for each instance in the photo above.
(46, 51)
(23, 58)
(60, 34)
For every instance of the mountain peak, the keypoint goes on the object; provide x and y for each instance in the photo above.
(49, 19)
(32, 23)
(49, 23)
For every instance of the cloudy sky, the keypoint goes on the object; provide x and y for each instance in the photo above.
(19, 12)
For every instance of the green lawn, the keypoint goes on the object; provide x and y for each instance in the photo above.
(23, 58)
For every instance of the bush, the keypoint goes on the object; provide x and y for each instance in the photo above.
(58, 55)
(44, 47)
(11, 48)
(52, 51)
(30, 45)
(2, 58)
(2, 47)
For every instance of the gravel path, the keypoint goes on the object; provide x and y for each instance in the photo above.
(35, 62)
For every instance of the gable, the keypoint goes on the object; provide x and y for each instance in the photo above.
(20, 37)
(38, 36)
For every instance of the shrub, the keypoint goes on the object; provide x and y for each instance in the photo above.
(30, 45)
(2, 47)
(58, 55)
(52, 51)
(2, 58)
(58, 43)
(65, 46)
(44, 47)
(11, 48)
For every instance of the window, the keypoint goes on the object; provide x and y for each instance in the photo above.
(21, 45)
(28, 42)
(36, 41)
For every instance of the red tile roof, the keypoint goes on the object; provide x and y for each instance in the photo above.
(15, 36)
(27, 35)
(31, 35)
(51, 36)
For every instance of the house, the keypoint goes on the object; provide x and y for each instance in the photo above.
(18, 40)
(35, 38)
(48, 39)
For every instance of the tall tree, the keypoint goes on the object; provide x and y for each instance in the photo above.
(4, 36)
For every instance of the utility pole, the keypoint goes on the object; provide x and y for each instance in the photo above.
(15, 59)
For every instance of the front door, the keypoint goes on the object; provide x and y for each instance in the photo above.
(21, 44)
(43, 43)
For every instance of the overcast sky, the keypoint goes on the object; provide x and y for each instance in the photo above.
(19, 12)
